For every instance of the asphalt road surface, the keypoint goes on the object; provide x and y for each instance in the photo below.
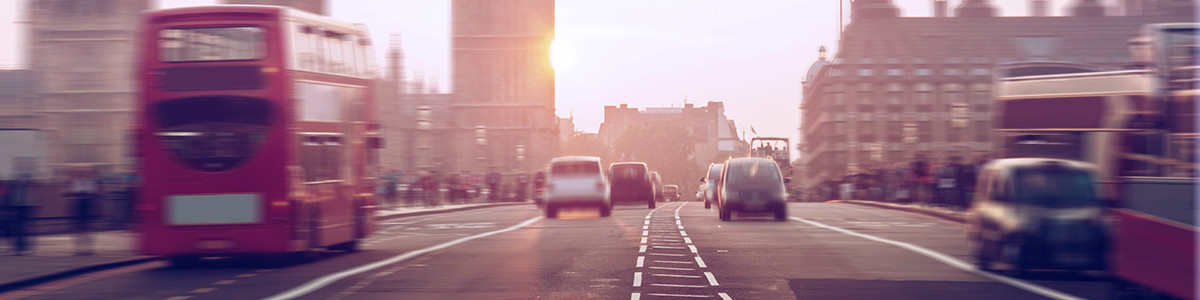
(678, 251)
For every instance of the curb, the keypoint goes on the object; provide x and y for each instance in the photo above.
(923, 211)
(28, 282)
(448, 210)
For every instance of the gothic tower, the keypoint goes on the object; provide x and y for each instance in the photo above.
(82, 54)
(503, 85)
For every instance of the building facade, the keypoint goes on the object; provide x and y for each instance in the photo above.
(715, 136)
(81, 53)
(919, 88)
(503, 86)
(313, 6)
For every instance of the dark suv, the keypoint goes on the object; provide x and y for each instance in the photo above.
(630, 182)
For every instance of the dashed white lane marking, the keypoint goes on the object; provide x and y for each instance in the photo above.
(643, 240)
(676, 275)
(642, 249)
(225, 282)
(645, 226)
(647, 222)
(711, 280)
(680, 226)
(693, 248)
(247, 275)
(637, 279)
(635, 296)
(641, 261)
(683, 233)
(700, 262)
(724, 296)
(673, 262)
(645, 232)
(680, 295)
(679, 285)
(953, 262)
(687, 240)
(673, 269)
(667, 254)
(326, 280)
(202, 290)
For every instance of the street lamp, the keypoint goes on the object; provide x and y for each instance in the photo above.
(424, 125)
(481, 142)
(520, 155)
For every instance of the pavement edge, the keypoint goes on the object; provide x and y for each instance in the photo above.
(928, 212)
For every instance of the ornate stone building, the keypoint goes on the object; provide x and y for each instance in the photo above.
(503, 109)
(905, 88)
(81, 53)
(714, 135)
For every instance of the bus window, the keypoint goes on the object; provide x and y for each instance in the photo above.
(213, 133)
(211, 44)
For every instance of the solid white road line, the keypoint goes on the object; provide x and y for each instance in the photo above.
(724, 296)
(637, 279)
(711, 280)
(316, 284)
(700, 262)
(953, 262)
(641, 261)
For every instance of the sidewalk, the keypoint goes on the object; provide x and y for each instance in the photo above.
(935, 211)
(54, 258)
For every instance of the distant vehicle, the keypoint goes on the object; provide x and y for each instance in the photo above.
(252, 138)
(631, 183)
(1038, 213)
(752, 185)
(576, 181)
(658, 186)
(671, 192)
(709, 184)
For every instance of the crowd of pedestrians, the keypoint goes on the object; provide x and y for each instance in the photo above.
(27, 207)
(949, 183)
(431, 188)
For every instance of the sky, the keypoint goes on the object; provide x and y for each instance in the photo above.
(751, 55)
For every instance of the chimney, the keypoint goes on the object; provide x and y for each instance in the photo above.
(1039, 8)
(940, 7)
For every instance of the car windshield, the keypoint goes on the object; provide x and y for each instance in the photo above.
(752, 172)
(575, 168)
(628, 172)
(1055, 187)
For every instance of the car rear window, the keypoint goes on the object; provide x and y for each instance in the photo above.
(1055, 187)
(575, 168)
(628, 172)
(752, 172)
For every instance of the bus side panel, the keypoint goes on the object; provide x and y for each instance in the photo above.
(1155, 253)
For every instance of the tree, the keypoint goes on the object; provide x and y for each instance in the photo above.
(667, 147)
(586, 144)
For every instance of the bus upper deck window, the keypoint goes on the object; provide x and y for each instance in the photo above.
(211, 44)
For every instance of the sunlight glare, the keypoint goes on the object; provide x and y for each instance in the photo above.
(562, 56)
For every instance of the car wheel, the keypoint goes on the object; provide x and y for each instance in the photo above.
(725, 214)
(605, 210)
(652, 205)
(979, 249)
(781, 214)
(551, 211)
(707, 204)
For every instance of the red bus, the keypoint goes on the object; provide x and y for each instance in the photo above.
(255, 132)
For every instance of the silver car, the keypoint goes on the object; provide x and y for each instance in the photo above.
(577, 181)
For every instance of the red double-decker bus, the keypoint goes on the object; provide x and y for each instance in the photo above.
(256, 132)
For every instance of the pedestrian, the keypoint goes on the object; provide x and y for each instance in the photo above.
(493, 183)
(82, 190)
(429, 190)
(21, 208)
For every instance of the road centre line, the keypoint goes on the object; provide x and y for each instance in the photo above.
(642, 249)
(953, 262)
(693, 248)
(683, 233)
(645, 232)
(316, 284)
(635, 296)
(637, 279)
(680, 227)
(687, 240)
(711, 279)
(643, 240)
(645, 227)
(641, 261)
(700, 262)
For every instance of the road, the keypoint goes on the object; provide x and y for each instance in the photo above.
(678, 251)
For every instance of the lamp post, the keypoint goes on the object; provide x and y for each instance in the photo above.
(424, 125)
(520, 157)
(481, 143)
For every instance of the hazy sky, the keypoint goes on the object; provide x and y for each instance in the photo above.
(749, 54)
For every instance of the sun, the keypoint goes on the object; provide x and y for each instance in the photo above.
(562, 55)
